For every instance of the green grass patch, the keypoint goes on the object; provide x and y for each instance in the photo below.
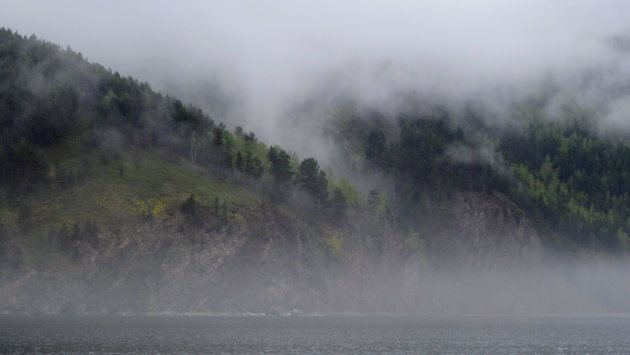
(110, 189)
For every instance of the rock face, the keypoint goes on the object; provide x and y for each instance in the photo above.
(276, 262)
(491, 231)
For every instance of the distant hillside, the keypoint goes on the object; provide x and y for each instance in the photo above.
(62, 114)
(571, 177)
(117, 199)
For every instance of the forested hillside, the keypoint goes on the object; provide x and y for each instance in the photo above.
(117, 198)
(56, 105)
(571, 178)
(59, 112)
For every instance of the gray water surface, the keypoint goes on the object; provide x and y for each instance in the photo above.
(316, 335)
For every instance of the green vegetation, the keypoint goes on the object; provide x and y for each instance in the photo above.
(312, 179)
(577, 179)
(84, 150)
(334, 242)
(572, 181)
(151, 187)
(81, 108)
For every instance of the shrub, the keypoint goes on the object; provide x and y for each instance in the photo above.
(334, 242)
(155, 208)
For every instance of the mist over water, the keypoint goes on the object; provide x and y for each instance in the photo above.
(282, 69)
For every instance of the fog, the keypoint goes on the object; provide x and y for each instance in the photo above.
(283, 69)
(258, 64)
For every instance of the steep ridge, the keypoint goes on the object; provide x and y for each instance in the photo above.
(117, 199)
(272, 261)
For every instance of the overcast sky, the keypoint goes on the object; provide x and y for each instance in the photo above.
(266, 56)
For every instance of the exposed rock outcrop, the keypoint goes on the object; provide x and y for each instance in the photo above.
(272, 261)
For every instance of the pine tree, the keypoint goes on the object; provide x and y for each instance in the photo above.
(338, 203)
(280, 165)
(312, 179)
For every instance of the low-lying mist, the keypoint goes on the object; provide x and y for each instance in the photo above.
(554, 287)
(285, 70)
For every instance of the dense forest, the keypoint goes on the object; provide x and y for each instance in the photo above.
(54, 102)
(572, 182)
(571, 179)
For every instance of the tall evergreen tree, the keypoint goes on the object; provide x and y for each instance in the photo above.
(281, 171)
(338, 203)
(312, 179)
(280, 165)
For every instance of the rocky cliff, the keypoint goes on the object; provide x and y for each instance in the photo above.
(273, 260)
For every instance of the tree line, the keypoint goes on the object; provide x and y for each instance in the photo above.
(572, 180)
(76, 101)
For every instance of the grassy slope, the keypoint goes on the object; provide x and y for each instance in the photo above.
(111, 200)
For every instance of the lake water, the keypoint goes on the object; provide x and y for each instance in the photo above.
(316, 335)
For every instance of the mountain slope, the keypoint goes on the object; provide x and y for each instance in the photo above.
(117, 199)
(568, 174)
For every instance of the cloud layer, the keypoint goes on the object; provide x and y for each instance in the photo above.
(252, 62)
